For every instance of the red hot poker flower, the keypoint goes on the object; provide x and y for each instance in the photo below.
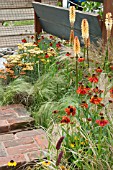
(93, 79)
(81, 59)
(95, 99)
(70, 110)
(65, 119)
(82, 90)
(102, 122)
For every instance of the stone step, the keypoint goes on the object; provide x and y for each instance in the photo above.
(14, 117)
(22, 147)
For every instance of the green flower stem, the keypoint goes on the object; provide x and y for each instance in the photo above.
(88, 57)
(76, 71)
(99, 141)
(57, 92)
(84, 51)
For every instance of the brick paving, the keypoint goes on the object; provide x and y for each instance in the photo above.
(16, 142)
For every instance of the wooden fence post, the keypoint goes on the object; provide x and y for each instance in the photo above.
(38, 28)
(107, 7)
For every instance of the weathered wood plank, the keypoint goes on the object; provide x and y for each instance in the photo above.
(16, 14)
(11, 41)
(16, 30)
(96, 0)
(54, 20)
(5, 4)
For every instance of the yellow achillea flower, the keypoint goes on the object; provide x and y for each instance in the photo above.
(46, 163)
(71, 40)
(12, 163)
(76, 46)
(108, 24)
(76, 138)
(85, 29)
(72, 15)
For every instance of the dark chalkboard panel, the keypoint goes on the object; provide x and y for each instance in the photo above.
(55, 20)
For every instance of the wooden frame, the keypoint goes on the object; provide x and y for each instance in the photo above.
(107, 6)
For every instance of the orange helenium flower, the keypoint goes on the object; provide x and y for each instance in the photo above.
(84, 104)
(95, 99)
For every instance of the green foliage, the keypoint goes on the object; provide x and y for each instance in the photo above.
(93, 6)
(18, 23)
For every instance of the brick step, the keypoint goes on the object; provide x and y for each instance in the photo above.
(22, 147)
(14, 117)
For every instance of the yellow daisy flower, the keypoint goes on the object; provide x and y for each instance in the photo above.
(12, 163)
(46, 163)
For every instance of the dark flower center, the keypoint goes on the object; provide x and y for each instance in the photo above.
(71, 109)
(11, 161)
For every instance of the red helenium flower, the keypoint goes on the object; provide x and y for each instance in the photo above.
(46, 55)
(68, 54)
(81, 59)
(95, 99)
(111, 92)
(102, 122)
(98, 70)
(24, 40)
(97, 90)
(93, 79)
(82, 90)
(70, 110)
(65, 119)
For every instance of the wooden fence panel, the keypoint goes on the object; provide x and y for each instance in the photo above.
(6, 4)
(54, 20)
